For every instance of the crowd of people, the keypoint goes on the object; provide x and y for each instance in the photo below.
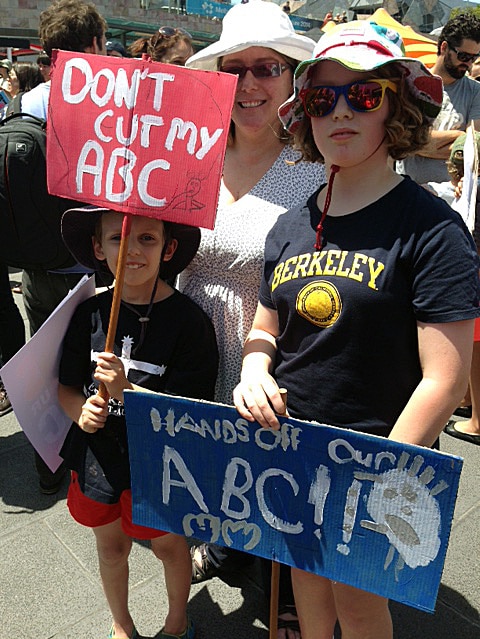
(333, 147)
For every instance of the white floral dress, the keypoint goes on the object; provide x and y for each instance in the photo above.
(224, 277)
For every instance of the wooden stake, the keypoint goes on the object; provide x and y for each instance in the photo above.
(275, 579)
(117, 292)
(274, 588)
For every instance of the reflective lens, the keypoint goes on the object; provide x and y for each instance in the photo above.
(463, 56)
(168, 32)
(360, 96)
(265, 70)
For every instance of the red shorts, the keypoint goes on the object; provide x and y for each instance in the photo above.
(92, 513)
(476, 332)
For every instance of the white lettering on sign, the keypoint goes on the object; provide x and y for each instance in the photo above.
(116, 87)
(273, 520)
(397, 503)
(342, 452)
(116, 173)
(124, 170)
(91, 147)
(318, 496)
(171, 456)
(230, 489)
(229, 432)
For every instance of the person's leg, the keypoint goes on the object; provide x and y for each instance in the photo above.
(469, 429)
(173, 552)
(113, 548)
(315, 605)
(42, 293)
(12, 326)
(12, 332)
(361, 614)
(472, 425)
(50, 482)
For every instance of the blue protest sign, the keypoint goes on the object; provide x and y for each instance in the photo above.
(355, 508)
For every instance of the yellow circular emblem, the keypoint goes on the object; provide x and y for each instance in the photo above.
(319, 303)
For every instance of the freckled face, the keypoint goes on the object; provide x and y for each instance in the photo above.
(257, 99)
(346, 137)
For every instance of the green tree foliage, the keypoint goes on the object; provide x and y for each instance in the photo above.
(456, 11)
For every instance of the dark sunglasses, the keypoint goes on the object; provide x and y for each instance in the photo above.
(168, 32)
(360, 96)
(264, 70)
(463, 56)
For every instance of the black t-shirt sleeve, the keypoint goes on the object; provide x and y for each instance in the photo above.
(194, 366)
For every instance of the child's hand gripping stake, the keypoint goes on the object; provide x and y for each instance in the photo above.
(117, 292)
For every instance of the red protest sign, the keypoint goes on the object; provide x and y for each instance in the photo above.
(137, 136)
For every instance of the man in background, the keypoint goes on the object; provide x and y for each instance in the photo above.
(71, 25)
(458, 48)
(116, 49)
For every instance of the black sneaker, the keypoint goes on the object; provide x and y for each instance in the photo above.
(52, 487)
(49, 482)
(463, 411)
(5, 405)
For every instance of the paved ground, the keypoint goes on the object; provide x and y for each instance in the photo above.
(50, 587)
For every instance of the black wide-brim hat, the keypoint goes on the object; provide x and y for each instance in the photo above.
(78, 229)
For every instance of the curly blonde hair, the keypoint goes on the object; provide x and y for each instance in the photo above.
(407, 129)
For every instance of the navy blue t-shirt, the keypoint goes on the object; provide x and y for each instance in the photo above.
(347, 348)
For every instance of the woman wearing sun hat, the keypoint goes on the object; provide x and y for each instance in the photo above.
(370, 287)
(262, 178)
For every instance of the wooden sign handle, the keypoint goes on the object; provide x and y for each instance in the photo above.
(117, 292)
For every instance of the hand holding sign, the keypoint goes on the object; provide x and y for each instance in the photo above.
(356, 508)
(142, 146)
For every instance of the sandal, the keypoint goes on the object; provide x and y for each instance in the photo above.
(205, 569)
(288, 624)
(188, 633)
(111, 634)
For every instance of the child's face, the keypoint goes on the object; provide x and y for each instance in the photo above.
(346, 137)
(145, 247)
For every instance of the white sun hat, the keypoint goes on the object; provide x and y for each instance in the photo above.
(254, 24)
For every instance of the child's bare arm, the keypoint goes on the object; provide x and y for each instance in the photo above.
(90, 414)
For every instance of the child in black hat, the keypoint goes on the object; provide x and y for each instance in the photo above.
(165, 343)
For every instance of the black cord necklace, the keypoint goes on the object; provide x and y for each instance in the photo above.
(142, 318)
